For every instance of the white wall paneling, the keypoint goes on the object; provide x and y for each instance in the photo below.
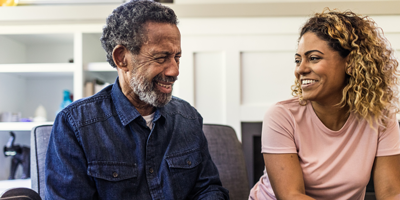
(209, 87)
(266, 79)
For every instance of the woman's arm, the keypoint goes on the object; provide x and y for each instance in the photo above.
(285, 175)
(386, 173)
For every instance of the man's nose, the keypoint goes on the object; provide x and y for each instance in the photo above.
(172, 68)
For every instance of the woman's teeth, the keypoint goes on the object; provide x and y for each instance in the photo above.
(306, 82)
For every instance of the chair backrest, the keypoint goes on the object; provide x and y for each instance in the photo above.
(227, 153)
(20, 194)
(40, 136)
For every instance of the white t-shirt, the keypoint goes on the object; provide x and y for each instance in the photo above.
(149, 120)
(335, 164)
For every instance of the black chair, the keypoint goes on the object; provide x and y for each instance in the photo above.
(39, 141)
(227, 153)
(20, 194)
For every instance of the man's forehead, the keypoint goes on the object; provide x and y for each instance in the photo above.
(151, 26)
(164, 51)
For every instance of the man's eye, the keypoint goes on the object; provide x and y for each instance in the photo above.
(160, 59)
(177, 58)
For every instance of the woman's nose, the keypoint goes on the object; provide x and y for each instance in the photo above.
(303, 68)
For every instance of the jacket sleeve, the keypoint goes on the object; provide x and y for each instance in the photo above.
(208, 185)
(65, 165)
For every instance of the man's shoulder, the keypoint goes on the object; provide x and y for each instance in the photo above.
(99, 97)
(98, 105)
(182, 107)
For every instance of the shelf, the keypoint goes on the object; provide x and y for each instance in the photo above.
(99, 67)
(37, 69)
(20, 126)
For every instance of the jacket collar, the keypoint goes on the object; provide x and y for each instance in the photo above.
(125, 110)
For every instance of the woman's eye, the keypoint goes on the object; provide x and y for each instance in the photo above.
(314, 58)
(297, 61)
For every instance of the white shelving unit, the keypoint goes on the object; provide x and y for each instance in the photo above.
(99, 66)
(37, 63)
(20, 126)
(35, 67)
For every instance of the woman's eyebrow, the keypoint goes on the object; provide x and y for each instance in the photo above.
(308, 52)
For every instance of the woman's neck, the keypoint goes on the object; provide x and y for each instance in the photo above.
(332, 116)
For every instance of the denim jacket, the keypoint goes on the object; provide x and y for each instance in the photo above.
(101, 148)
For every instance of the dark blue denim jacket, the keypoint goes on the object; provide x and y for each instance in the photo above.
(101, 148)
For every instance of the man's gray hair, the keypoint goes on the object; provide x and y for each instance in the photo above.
(125, 25)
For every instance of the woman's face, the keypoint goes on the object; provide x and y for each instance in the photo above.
(320, 70)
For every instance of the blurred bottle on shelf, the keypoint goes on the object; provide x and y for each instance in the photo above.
(66, 100)
(40, 114)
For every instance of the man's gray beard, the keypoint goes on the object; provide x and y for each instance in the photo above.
(146, 91)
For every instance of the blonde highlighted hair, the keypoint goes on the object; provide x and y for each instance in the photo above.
(372, 77)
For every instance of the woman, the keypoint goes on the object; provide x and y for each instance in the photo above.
(341, 124)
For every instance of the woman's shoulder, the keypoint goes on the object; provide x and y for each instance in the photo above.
(289, 108)
(292, 105)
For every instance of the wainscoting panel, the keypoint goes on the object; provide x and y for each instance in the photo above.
(266, 77)
(209, 81)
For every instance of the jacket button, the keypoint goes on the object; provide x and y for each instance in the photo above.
(151, 170)
(115, 174)
(189, 162)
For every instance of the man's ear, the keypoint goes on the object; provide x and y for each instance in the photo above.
(120, 57)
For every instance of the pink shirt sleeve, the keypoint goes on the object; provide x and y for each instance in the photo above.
(278, 131)
(389, 140)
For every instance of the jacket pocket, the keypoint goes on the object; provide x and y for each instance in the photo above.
(186, 160)
(112, 171)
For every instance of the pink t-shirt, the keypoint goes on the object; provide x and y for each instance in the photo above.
(335, 164)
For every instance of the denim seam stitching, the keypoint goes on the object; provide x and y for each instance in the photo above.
(184, 153)
(94, 120)
(73, 124)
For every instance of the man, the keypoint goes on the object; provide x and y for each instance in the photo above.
(133, 140)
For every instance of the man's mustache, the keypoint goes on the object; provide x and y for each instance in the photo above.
(162, 78)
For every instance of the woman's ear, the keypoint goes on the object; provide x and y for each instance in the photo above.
(119, 57)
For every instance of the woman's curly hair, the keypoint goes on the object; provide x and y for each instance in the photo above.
(125, 25)
(372, 76)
